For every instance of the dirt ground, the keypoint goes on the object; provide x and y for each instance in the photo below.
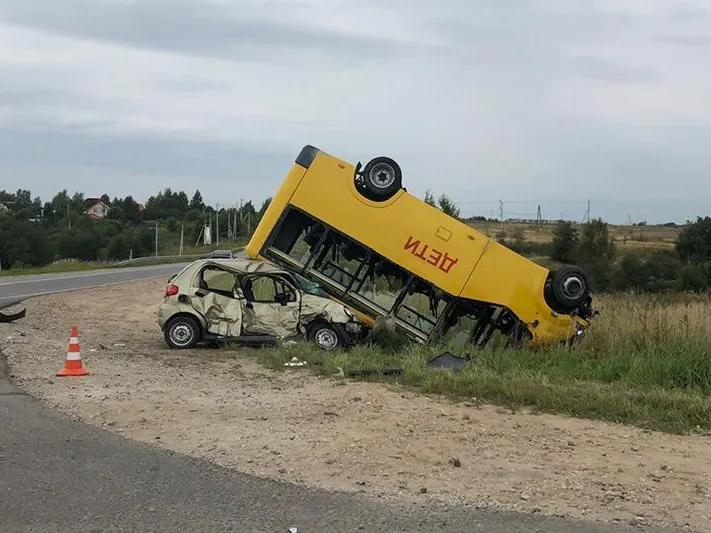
(372, 438)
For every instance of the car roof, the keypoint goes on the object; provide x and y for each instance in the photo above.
(243, 264)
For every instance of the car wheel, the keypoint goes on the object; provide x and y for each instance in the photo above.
(326, 336)
(182, 332)
(382, 177)
(570, 287)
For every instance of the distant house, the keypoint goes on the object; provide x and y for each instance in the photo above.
(95, 208)
(4, 208)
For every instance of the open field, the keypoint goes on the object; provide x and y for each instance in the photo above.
(386, 440)
(650, 237)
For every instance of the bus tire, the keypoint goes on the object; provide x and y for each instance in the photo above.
(570, 287)
(382, 177)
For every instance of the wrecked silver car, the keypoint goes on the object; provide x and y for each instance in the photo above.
(250, 301)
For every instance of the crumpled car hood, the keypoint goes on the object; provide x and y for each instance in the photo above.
(316, 306)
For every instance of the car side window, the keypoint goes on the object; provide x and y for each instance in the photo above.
(218, 280)
(266, 289)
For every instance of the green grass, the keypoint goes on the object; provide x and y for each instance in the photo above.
(645, 362)
(56, 268)
(79, 266)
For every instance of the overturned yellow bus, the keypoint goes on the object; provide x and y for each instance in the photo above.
(383, 252)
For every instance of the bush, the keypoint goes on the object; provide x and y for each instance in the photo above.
(565, 242)
(694, 242)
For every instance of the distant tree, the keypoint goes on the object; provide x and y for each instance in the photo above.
(694, 241)
(265, 206)
(430, 199)
(565, 242)
(105, 198)
(197, 202)
(131, 209)
(447, 206)
(116, 212)
(23, 199)
(77, 203)
(596, 252)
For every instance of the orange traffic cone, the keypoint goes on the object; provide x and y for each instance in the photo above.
(72, 366)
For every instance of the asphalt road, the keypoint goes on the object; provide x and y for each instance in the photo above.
(60, 476)
(17, 288)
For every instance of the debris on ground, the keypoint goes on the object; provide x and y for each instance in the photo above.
(445, 361)
(295, 362)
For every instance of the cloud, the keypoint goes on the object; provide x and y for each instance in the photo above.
(483, 100)
(240, 31)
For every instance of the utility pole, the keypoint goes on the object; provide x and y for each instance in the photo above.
(182, 232)
(217, 223)
(229, 224)
(156, 238)
(539, 219)
(501, 213)
(586, 216)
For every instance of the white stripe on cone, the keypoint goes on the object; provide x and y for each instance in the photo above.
(73, 356)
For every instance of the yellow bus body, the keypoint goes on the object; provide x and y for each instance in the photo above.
(437, 248)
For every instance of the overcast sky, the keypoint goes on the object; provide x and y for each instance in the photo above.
(527, 101)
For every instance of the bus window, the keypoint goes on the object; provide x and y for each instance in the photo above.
(422, 306)
(478, 325)
(382, 283)
(298, 235)
(340, 259)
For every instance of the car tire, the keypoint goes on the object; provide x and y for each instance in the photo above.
(182, 332)
(326, 336)
(570, 287)
(381, 178)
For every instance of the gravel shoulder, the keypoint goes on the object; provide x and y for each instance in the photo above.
(223, 406)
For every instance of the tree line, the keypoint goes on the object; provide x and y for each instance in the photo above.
(685, 267)
(35, 233)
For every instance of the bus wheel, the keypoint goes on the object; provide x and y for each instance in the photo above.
(382, 178)
(570, 286)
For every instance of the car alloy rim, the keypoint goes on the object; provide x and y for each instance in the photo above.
(181, 334)
(326, 338)
(382, 176)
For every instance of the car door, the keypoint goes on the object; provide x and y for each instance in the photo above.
(270, 306)
(215, 299)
